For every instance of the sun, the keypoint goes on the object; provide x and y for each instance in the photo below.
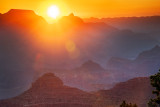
(53, 11)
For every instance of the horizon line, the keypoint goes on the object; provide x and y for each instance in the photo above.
(91, 17)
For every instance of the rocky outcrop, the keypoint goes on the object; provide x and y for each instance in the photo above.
(49, 91)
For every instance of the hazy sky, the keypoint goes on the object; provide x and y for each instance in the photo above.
(88, 8)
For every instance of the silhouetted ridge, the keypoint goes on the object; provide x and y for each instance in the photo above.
(20, 12)
(23, 18)
(137, 24)
(71, 20)
(71, 15)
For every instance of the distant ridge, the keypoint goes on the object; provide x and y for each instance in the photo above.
(91, 65)
(145, 24)
(145, 64)
(20, 12)
(71, 20)
(154, 52)
(23, 19)
(138, 17)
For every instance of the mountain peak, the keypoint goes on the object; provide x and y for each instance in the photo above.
(91, 65)
(71, 19)
(71, 15)
(20, 12)
(44, 93)
(47, 80)
(23, 18)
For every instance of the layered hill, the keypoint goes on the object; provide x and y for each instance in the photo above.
(149, 24)
(137, 90)
(22, 18)
(90, 76)
(93, 77)
(138, 24)
(28, 44)
(49, 91)
(146, 64)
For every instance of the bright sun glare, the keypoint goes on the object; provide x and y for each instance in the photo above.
(53, 11)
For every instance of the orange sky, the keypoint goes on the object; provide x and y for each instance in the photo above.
(87, 8)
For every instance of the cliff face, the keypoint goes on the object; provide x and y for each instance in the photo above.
(49, 91)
